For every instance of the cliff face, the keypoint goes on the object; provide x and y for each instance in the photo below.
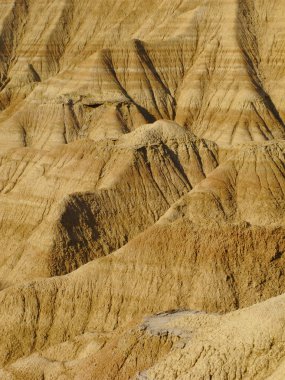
(71, 69)
(142, 170)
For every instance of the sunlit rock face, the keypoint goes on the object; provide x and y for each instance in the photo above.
(142, 189)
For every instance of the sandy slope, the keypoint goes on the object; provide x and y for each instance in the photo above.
(142, 170)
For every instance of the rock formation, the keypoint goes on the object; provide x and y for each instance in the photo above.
(142, 189)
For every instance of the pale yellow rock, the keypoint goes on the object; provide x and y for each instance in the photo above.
(205, 64)
(68, 206)
(247, 344)
(142, 166)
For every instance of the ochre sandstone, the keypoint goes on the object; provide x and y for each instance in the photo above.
(142, 189)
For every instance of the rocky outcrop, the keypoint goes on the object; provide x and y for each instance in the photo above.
(141, 171)
(89, 199)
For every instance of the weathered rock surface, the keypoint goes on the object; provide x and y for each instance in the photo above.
(142, 170)
(70, 205)
(233, 346)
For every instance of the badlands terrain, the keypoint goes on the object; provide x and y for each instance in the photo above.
(142, 189)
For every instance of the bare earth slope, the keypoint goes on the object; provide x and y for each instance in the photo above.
(142, 177)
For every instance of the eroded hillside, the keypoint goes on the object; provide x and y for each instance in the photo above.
(142, 189)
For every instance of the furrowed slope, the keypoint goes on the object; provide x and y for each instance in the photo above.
(63, 208)
(182, 264)
(142, 170)
(173, 345)
(247, 344)
(205, 70)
